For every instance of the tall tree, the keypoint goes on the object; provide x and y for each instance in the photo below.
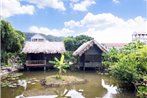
(11, 41)
(72, 43)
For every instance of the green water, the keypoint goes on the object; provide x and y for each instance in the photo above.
(92, 89)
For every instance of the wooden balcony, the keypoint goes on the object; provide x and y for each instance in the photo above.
(35, 62)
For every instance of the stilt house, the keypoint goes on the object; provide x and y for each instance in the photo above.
(40, 51)
(89, 54)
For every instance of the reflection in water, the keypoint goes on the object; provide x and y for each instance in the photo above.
(92, 89)
(74, 94)
(110, 89)
(22, 83)
(66, 94)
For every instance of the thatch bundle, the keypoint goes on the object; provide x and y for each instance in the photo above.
(86, 46)
(44, 47)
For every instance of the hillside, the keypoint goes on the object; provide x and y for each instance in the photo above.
(48, 37)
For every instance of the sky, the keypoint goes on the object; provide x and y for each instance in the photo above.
(107, 21)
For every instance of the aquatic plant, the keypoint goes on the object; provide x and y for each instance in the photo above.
(11, 80)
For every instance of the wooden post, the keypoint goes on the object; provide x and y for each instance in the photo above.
(44, 68)
(84, 62)
(84, 68)
(27, 68)
(77, 59)
(45, 63)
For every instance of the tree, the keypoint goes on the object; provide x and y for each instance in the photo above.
(141, 55)
(110, 58)
(82, 39)
(60, 65)
(129, 63)
(11, 41)
(72, 43)
(125, 68)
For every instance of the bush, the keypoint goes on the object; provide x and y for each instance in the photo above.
(127, 64)
(125, 69)
(69, 57)
(142, 91)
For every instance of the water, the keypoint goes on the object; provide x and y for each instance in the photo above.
(92, 89)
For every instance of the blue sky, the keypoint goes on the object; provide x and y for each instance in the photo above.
(97, 18)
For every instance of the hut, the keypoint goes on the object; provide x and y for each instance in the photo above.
(40, 51)
(89, 54)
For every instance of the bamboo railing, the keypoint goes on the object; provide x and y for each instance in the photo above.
(35, 62)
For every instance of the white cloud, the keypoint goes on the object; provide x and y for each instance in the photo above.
(55, 4)
(99, 21)
(116, 1)
(47, 31)
(83, 5)
(74, 1)
(71, 24)
(107, 27)
(14, 7)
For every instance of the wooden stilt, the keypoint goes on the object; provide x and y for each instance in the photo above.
(44, 68)
(27, 68)
(84, 68)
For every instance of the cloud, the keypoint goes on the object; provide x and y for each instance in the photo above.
(55, 4)
(73, 1)
(99, 21)
(116, 1)
(14, 7)
(83, 5)
(104, 27)
(71, 24)
(107, 27)
(47, 31)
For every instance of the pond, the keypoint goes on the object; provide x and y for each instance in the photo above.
(94, 88)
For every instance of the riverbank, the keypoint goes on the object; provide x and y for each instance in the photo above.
(6, 70)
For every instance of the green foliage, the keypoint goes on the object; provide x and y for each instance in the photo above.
(142, 58)
(69, 57)
(142, 91)
(125, 68)
(110, 58)
(60, 65)
(11, 41)
(72, 43)
(127, 64)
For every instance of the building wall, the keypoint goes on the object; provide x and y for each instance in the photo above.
(138, 36)
(94, 54)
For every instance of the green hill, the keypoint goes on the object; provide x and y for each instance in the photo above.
(48, 37)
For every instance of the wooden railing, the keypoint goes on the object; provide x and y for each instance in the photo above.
(35, 62)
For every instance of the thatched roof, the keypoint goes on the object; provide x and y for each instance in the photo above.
(86, 46)
(44, 47)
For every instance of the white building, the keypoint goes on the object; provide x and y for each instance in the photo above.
(140, 36)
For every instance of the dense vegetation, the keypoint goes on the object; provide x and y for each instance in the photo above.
(72, 43)
(11, 42)
(128, 64)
